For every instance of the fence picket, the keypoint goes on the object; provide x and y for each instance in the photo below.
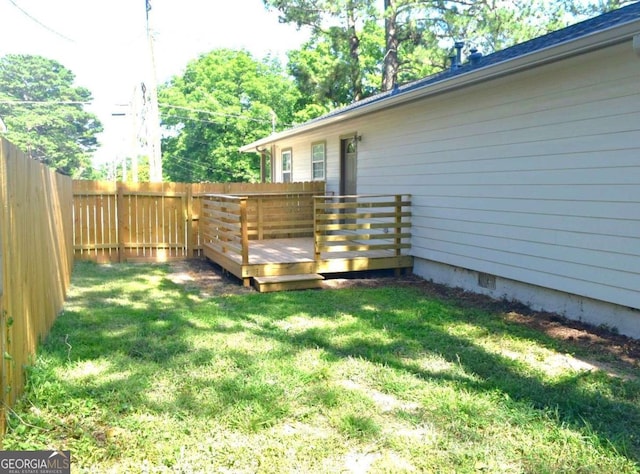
(36, 220)
(161, 221)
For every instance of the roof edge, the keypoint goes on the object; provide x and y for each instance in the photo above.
(574, 47)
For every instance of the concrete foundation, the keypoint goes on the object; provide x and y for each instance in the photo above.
(617, 318)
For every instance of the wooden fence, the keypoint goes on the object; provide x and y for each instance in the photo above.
(159, 221)
(47, 220)
(36, 259)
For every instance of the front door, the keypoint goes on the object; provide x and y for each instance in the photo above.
(348, 166)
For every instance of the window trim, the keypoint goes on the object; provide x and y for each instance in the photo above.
(324, 160)
(283, 152)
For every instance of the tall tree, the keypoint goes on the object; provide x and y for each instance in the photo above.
(336, 26)
(416, 36)
(223, 100)
(44, 113)
(392, 42)
(326, 76)
(430, 28)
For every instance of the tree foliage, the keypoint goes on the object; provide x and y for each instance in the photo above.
(332, 64)
(44, 113)
(223, 100)
(353, 41)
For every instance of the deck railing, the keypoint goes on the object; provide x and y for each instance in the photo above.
(366, 224)
(230, 222)
(225, 227)
(363, 225)
(280, 215)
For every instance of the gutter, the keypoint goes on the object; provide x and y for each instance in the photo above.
(591, 42)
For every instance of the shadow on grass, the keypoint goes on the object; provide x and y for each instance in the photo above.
(117, 355)
(575, 401)
(114, 330)
(140, 332)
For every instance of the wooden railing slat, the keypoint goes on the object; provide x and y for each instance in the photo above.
(341, 226)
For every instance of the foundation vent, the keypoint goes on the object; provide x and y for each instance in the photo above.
(485, 280)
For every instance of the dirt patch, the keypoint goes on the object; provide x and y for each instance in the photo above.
(207, 279)
(210, 281)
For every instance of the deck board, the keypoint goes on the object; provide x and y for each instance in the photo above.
(291, 250)
(291, 256)
(295, 250)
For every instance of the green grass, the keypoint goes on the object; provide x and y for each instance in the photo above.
(139, 375)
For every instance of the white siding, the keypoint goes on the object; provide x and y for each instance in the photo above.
(533, 177)
(301, 146)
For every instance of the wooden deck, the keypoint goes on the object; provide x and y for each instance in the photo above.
(309, 235)
(296, 256)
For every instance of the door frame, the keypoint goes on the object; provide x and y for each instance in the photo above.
(343, 142)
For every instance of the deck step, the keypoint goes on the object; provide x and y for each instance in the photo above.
(288, 282)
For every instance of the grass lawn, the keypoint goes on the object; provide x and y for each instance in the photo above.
(141, 375)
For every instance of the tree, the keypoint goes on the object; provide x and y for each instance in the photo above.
(416, 36)
(326, 77)
(44, 113)
(337, 28)
(224, 100)
(426, 30)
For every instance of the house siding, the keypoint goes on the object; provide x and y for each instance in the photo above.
(533, 177)
(301, 146)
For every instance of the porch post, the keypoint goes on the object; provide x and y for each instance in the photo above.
(263, 166)
(244, 236)
(398, 230)
(398, 219)
(316, 231)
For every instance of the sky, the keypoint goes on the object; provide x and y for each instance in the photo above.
(104, 44)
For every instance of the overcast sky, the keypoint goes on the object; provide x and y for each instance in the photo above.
(104, 43)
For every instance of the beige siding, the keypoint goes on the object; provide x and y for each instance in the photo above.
(533, 177)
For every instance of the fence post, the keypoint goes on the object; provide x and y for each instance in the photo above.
(189, 221)
(259, 207)
(120, 220)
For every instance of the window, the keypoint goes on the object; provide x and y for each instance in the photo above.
(286, 166)
(317, 160)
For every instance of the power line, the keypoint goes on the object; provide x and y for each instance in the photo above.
(190, 165)
(192, 119)
(31, 17)
(203, 168)
(44, 102)
(221, 114)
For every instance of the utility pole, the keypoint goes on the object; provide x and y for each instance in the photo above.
(151, 114)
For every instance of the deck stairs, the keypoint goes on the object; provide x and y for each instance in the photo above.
(303, 281)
